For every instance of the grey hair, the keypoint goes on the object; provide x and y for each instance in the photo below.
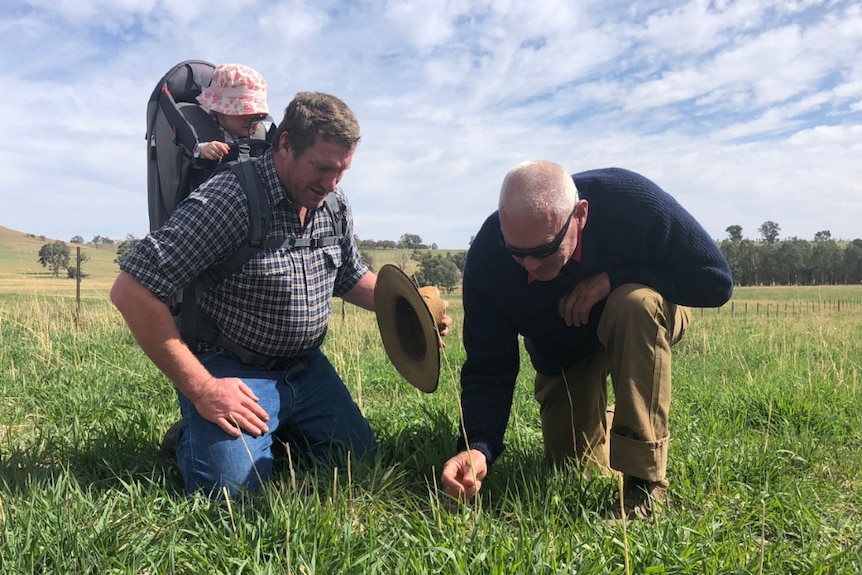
(538, 187)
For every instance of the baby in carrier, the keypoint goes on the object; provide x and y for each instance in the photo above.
(236, 100)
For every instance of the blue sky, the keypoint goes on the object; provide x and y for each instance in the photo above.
(745, 111)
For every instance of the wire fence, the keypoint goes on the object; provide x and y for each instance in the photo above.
(786, 308)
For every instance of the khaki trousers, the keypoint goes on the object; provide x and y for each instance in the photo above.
(636, 330)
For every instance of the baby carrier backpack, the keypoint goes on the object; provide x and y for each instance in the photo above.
(176, 122)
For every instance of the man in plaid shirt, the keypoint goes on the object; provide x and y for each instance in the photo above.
(275, 309)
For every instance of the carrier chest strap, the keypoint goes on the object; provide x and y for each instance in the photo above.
(306, 242)
(337, 217)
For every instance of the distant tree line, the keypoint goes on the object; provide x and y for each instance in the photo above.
(767, 260)
(97, 241)
(407, 242)
(443, 270)
(793, 261)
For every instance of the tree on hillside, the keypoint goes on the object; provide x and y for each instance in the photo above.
(54, 256)
(77, 240)
(734, 233)
(125, 247)
(459, 259)
(74, 271)
(367, 258)
(100, 241)
(402, 258)
(410, 241)
(439, 271)
(769, 231)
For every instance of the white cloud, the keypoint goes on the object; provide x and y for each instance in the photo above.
(747, 111)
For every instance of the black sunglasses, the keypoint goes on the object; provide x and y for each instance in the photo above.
(542, 251)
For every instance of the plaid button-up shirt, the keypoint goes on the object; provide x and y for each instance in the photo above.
(279, 303)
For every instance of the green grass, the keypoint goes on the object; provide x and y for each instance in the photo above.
(765, 462)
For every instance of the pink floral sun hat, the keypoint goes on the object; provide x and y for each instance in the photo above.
(235, 90)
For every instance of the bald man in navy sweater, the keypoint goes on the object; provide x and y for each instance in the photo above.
(596, 271)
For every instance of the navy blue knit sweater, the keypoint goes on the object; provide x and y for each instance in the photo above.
(635, 232)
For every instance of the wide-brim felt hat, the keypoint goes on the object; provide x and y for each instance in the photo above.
(408, 318)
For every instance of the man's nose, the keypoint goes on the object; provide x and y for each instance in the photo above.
(329, 184)
(531, 264)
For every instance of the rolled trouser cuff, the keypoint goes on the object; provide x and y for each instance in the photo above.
(643, 459)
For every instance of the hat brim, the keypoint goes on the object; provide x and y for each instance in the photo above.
(407, 328)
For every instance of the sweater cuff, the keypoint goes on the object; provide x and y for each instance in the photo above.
(478, 446)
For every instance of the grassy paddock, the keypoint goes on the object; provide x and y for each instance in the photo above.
(765, 463)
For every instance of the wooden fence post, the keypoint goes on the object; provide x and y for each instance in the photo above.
(77, 285)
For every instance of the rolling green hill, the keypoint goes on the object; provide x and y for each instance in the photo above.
(20, 271)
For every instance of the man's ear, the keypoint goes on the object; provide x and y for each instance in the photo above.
(582, 209)
(283, 142)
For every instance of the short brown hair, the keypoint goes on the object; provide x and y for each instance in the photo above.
(310, 114)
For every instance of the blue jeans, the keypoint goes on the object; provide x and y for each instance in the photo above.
(311, 411)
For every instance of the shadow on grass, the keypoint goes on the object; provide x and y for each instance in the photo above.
(109, 458)
(105, 460)
(524, 478)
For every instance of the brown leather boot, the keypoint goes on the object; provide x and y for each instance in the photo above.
(168, 448)
(642, 499)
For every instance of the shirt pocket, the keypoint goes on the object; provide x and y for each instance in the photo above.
(267, 263)
(332, 256)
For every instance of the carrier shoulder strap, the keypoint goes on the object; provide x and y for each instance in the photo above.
(259, 215)
(194, 126)
(191, 123)
(337, 215)
(192, 326)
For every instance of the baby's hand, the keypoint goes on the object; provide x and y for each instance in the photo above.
(214, 150)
